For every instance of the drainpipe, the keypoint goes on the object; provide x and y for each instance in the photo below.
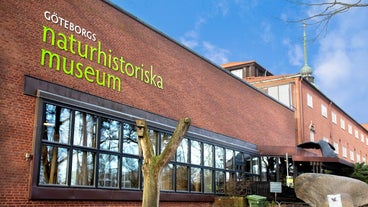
(300, 115)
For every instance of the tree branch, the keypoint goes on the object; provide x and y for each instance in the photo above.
(144, 139)
(177, 137)
(328, 10)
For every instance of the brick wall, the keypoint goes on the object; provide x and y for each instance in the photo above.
(326, 128)
(192, 86)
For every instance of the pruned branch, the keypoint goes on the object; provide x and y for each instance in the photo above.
(153, 164)
(144, 140)
(177, 137)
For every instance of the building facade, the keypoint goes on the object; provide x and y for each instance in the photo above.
(75, 76)
(317, 118)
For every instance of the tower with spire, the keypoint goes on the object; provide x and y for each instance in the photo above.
(306, 71)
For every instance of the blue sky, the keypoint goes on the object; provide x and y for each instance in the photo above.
(241, 30)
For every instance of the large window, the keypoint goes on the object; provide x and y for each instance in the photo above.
(82, 149)
(85, 149)
(282, 93)
(238, 73)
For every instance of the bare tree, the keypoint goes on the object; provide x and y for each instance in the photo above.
(154, 164)
(326, 11)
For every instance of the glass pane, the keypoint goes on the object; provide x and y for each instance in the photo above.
(196, 179)
(167, 177)
(208, 155)
(182, 178)
(196, 152)
(273, 92)
(230, 159)
(219, 161)
(208, 181)
(83, 168)
(220, 182)
(57, 124)
(247, 163)
(284, 94)
(182, 151)
(255, 165)
(54, 165)
(239, 161)
(154, 136)
(130, 142)
(85, 129)
(108, 170)
(110, 135)
(230, 183)
(130, 173)
(165, 138)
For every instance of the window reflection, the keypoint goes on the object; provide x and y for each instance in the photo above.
(84, 129)
(247, 163)
(239, 161)
(108, 170)
(130, 142)
(220, 182)
(86, 150)
(83, 168)
(196, 179)
(54, 165)
(130, 173)
(208, 155)
(57, 124)
(167, 177)
(154, 137)
(110, 135)
(196, 152)
(219, 159)
(230, 161)
(255, 165)
(182, 178)
(208, 181)
(230, 183)
(165, 138)
(182, 151)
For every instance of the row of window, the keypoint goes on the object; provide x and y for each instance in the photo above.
(84, 149)
(358, 158)
(324, 113)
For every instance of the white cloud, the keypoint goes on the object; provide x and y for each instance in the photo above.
(295, 53)
(341, 63)
(333, 68)
(266, 32)
(214, 53)
(222, 6)
(192, 38)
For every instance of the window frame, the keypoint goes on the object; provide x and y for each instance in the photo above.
(324, 112)
(309, 100)
(333, 117)
(93, 193)
(342, 123)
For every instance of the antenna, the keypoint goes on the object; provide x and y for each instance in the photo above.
(306, 70)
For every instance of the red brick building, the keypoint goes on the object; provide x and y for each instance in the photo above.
(317, 116)
(75, 75)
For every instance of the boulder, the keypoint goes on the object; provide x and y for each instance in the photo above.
(313, 189)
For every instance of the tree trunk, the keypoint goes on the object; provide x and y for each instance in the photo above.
(151, 197)
(153, 164)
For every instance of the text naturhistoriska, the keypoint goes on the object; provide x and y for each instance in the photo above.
(92, 53)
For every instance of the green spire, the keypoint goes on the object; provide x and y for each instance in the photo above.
(306, 70)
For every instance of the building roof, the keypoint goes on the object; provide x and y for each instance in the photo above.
(254, 79)
(365, 126)
(233, 64)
